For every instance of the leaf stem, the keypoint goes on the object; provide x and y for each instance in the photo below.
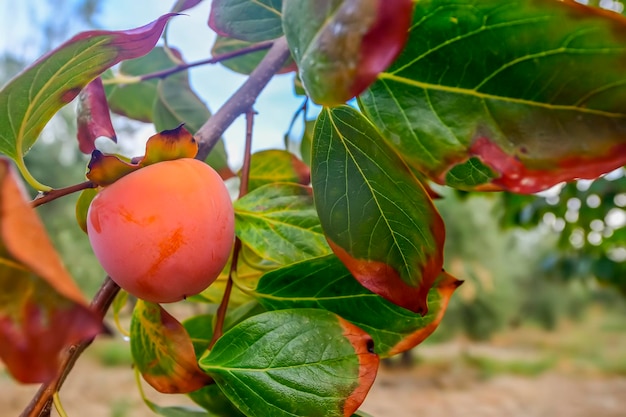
(53, 194)
(58, 406)
(243, 99)
(41, 403)
(28, 177)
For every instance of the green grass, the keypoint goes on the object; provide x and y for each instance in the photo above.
(490, 367)
(110, 353)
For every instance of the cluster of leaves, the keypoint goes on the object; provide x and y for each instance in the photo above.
(340, 256)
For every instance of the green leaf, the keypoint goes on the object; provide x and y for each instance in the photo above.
(29, 100)
(535, 90)
(247, 20)
(326, 283)
(279, 223)
(303, 362)
(162, 350)
(272, 166)
(177, 103)
(212, 399)
(307, 141)
(376, 215)
(341, 45)
(136, 100)
(41, 309)
(82, 206)
(200, 327)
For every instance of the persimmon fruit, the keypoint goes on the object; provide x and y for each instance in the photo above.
(165, 231)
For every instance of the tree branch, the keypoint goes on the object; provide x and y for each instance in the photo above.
(243, 99)
(213, 60)
(41, 403)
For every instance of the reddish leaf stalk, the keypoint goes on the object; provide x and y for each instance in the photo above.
(243, 99)
(243, 190)
(60, 192)
(213, 60)
(41, 403)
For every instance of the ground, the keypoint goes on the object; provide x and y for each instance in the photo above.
(579, 371)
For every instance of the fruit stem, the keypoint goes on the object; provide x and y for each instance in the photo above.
(60, 192)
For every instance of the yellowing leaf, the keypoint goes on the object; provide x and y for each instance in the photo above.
(41, 308)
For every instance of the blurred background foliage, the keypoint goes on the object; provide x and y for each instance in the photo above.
(525, 259)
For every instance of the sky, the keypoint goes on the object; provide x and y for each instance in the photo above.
(192, 36)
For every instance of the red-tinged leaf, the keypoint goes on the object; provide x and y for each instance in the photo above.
(325, 283)
(376, 215)
(368, 365)
(41, 308)
(517, 95)
(298, 362)
(340, 46)
(29, 100)
(247, 20)
(93, 117)
(163, 352)
(445, 287)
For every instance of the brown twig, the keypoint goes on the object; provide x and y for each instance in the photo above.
(60, 192)
(243, 99)
(243, 190)
(41, 403)
(213, 60)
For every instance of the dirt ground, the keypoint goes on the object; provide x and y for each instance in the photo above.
(578, 371)
(423, 391)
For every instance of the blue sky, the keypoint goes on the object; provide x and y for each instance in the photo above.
(192, 36)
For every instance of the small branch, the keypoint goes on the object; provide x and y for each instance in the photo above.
(41, 403)
(60, 192)
(243, 98)
(213, 60)
(243, 190)
(301, 110)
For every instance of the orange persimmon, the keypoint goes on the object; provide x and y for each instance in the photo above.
(165, 231)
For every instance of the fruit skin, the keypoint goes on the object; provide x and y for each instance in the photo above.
(163, 232)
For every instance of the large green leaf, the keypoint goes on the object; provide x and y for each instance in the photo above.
(377, 216)
(29, 100)
(534, 90)
(341, 45)
(136, 100)
(247, 20)
(326, 283)
(162, 350)
(279, 223)
(177, 103)
(302, 362)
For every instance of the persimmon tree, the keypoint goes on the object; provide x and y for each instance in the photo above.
(338, 256)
